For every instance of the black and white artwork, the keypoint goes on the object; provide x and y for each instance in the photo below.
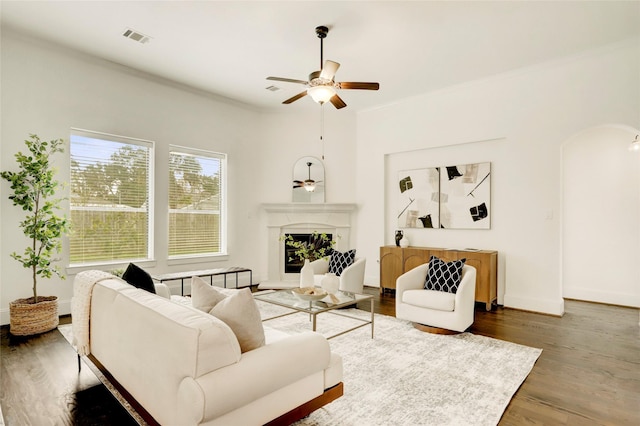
(418, 203)
(465, 196)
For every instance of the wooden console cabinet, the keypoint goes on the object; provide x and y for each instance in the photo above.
(395, 261)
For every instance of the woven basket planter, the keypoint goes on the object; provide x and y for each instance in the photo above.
(27, 318)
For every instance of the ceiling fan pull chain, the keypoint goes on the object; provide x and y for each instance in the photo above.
(322, 128)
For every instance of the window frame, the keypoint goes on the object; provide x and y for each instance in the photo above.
(223, 253)
(150, 260)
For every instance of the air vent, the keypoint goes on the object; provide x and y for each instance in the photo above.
(136, 36)
(272, 88)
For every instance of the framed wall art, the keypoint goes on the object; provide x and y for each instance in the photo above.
(418, 198)
(465, 196)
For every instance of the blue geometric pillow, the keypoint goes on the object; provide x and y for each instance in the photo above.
(444, 276)
(339, 261)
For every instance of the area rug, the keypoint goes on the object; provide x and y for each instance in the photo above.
(404, 376)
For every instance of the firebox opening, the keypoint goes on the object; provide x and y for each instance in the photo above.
(293, 264)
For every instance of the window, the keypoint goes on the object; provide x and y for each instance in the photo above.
(196, 202)
(111, 196)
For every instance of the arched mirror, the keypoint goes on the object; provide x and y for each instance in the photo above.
(308, 181)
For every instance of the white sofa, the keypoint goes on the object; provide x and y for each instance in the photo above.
(351, 279)
(436, 308)
(184, 367)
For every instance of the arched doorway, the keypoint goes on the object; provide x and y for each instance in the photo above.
(601, 216)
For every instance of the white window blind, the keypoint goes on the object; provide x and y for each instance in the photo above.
(111, 195)
(196, 202)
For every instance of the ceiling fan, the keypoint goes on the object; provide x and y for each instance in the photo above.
(321, 85)
(308, 184)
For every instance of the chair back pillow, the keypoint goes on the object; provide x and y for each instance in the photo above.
(444, 276)
(340, 261)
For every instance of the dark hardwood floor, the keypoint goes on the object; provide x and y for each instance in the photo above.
(588, 373)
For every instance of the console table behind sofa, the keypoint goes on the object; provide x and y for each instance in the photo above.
(174, 276)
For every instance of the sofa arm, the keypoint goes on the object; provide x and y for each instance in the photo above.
(352, 277)
(265, 370)
(163, 290)
(411, 280)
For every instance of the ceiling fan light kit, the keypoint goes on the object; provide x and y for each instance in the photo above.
(321, 94)
(321, 85)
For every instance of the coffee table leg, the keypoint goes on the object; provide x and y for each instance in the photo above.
(314, 322)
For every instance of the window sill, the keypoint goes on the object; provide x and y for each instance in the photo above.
(197, 259)
(74, 269)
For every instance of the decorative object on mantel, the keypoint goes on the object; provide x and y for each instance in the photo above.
(399, 235)
(33, 186)
(308, 181)
(404, 242)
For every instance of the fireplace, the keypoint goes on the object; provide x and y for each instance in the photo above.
(293, 264)
(303, 218)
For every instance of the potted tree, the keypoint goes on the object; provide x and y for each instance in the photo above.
(33, 190)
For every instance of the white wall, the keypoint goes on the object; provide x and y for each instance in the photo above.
(601, 216)
(523, 117)
(47, 90)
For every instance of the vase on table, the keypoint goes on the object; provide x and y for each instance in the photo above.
(306, 275)
(404, 242)
(398, 237)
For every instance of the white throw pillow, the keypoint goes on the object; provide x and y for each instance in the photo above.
(240, 312)
(204, 296)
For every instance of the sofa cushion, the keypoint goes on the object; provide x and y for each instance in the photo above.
(204, 296)
(240, 312)
(430, 299)
(340, 261)
(138, 277)
(444, 276)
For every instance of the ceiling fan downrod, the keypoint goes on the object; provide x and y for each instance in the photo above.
(322, 32)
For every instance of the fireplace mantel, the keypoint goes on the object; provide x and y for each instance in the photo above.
(310, 207)
(281, 218)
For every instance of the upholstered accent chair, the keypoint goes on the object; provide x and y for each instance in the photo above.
(351, 278)
(439, 309)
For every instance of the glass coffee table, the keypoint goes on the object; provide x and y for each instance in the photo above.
(341, 299)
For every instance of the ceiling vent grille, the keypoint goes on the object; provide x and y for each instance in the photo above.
(272, 88)
(136, 36)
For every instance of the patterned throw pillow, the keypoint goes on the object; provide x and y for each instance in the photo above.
(339, 261)
(444, 276)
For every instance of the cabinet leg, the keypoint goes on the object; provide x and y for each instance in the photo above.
(489, 305)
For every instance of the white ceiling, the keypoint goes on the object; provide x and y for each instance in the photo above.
(229, 48)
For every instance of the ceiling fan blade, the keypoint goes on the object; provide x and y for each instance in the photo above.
(337, 102)
(287, 80)
(329, 70)
(296, 97)
(358, 85)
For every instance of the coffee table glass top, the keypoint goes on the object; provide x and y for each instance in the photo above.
(287, 299)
